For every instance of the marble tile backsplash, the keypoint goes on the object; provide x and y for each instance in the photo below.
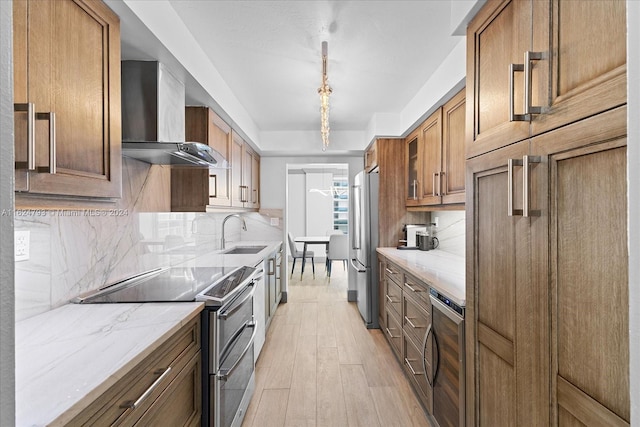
(450, 231)
(72, 252)
(71, 255)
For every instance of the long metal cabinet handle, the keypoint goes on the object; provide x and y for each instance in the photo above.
(390, 334)
(51, 117)
(415, 189)
(226, 375)
(437, 353)
(512, 115)
(443, 184)
(510, 209)
(434, 192)
(412, 288)
(226, 313)
(408, 362)
(410, 322)
(528, 108)
(526, 184)
(30, 109)
(389, 298)
(424, 350)
(148, 391)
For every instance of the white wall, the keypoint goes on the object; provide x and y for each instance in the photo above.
(7, 336)
(633, 160)
(319, 207)
(296, 218)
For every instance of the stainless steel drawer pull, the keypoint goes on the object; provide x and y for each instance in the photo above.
(30, 109)
(408, 362)
(528, 108)
(390, 334)
(510, 208)
(51, 118)
(389, 271)
(526, 181)
(148, 391)
(411, 323)
(412, 288)
(513, 117)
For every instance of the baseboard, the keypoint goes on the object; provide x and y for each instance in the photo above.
(352, 295)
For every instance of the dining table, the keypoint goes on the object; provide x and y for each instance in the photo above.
(311, 240)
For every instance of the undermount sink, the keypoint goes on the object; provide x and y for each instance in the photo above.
(243, 250)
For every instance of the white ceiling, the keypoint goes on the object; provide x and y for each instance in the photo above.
(268, 54)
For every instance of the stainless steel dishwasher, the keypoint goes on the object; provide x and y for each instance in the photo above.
(448, 382)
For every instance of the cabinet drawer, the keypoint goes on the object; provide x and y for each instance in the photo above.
(418, 291)
(415, 320)
(415, 370)
(393, 273)
(181, 403)
(393, 298)
(393, 331)
(153, 375)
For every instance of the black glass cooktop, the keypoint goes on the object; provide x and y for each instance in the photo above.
(173, 284)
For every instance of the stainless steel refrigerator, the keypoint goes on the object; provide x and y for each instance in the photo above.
(364, 266)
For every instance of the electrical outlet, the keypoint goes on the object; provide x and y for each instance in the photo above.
(435, 221)
(21, 245)
(275, 221)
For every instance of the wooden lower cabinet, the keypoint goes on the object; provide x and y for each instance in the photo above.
(393, 332)
(417, 371)
(547, 294)
(171, 378)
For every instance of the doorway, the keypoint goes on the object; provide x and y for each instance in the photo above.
(317, 204)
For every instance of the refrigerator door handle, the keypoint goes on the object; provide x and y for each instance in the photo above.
(357, 268)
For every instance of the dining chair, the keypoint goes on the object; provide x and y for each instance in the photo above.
(326, 252)
(338, 250)
(296, 253)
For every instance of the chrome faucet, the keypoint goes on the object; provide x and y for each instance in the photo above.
(224, 221)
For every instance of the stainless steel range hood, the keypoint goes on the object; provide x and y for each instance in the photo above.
(153, 119)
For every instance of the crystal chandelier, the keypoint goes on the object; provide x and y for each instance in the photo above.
(324, 91)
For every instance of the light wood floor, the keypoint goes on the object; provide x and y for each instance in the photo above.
(321, 367)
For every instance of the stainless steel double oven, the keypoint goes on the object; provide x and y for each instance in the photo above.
(228, 328)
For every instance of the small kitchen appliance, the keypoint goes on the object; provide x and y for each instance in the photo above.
(410, 235)
(426, 240)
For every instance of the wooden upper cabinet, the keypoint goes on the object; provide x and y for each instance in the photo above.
(435, 157)
(238, 192)
(583, 70)
(67, 68)
(453, 145)
(430, 160)
(412, 167)
(193, 189)
(497, 37)
(245, 174)
(370, 158)
(533, 66)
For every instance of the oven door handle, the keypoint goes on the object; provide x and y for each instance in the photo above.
(225, 376)
(226, 313)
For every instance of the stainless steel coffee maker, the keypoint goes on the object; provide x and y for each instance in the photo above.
(426, 239)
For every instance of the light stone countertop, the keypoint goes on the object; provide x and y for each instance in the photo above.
(444, 271)
(67, 357)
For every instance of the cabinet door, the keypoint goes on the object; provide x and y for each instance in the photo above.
(497, 37)
(506, 335)
(219, 179)
(238, 191)
(255, 181)
(71, 51)
(584, 70)
(453, 124)
(430, 159)
(412, 167)
(589, 270)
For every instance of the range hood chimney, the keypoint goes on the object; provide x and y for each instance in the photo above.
(153, 119)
